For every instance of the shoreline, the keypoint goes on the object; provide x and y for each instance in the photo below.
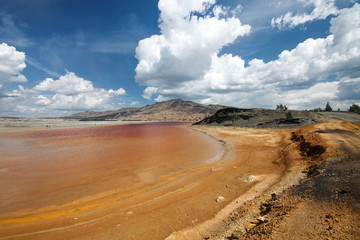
(213, 201)
(242, 219)
(264, 184)
(8, 125)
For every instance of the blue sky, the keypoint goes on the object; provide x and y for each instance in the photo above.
(59, 57)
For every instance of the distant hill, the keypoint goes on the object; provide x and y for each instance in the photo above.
(172, 110)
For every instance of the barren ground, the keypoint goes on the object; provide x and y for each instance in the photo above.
(268, 184)
(324, 204)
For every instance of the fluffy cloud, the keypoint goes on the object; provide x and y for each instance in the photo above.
(68, 93)
(67, 84)
(322, 9)
(149, 92)
(316, 70)
(43, 101)
(118, 92)
(315, 94)
(173, 10)
(71, 92)
(12, 62)
(191, 35)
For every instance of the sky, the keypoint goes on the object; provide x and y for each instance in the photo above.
(61, 57)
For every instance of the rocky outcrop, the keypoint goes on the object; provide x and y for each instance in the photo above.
(259, 118)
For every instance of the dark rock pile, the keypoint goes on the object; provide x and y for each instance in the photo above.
(259, 118)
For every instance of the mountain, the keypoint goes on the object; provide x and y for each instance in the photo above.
(172, 110)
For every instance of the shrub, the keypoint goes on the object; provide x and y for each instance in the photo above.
(316, 110)
(289, 115)
(234, 117)
(354, 108)
(281, 107)
(328, 108)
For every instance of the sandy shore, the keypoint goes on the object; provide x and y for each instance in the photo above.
(17, 124)
(210, 200)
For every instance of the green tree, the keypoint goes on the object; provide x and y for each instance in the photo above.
(354, 108)
(328, 108)
(317, 110)
(281, 107)
(289, 115)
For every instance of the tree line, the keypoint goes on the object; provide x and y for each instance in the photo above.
(353, 108)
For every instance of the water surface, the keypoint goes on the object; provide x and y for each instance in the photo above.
(42, 168)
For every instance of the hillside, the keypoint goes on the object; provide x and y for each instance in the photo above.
(267, 118)
(172, 110)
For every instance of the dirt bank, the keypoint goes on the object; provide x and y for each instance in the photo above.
(326, 202)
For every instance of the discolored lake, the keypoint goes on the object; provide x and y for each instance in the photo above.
(42, 169)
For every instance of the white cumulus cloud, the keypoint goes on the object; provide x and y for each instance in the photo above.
(322, 9)
(42, 100)
(50, 97)
(317, 70)
(12, 62)
(149, 92)
(118, 92)
(191, 36)
(67, 84)
(71, 92)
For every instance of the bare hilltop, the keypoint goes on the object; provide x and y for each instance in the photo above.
(172, 110)
(216, 115)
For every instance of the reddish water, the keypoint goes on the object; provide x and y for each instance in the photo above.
(54, 167)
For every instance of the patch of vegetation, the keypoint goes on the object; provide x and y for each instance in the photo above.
(235, 117)
(328, 108)
(316, 110)
(354, 108)
(289, 115)
(281, 107)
